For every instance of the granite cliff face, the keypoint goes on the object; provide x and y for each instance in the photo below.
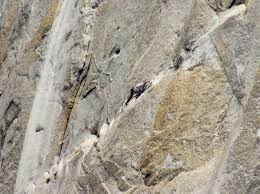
(66, 69)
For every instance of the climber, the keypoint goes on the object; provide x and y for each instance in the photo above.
(136, 91)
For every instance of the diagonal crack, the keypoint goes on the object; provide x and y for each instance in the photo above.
(236, 90)
(68, 106)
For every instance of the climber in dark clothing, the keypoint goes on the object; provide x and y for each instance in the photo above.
(136, 91)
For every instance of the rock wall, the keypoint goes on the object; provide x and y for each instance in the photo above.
(195, 130)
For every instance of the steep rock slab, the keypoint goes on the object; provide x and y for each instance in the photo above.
(234, 44)
(155, 146)
(47, 102)
(241, 172)
(115, 167)
(186, 124)
(125, 52)
(149, 146)
(18, 83)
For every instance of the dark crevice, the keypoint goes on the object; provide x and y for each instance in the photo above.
(188, 45)
(237, 2)
(42, 37)
(39, 128)
(73, 46)
(107, 121)
(220, 3)
(95, 4)
(153, 178)
(11, 113)
(115, 51)
(94, 130)
(89, 91)
(232, 4)
(2, 140)
(48, 180)
(5, 56)
(84, 74)
(45, 31)
(177, 62)
(80, 71)
(67, 35)
(76, 4)
(147, 176)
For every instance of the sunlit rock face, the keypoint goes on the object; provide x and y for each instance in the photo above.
(66, 71)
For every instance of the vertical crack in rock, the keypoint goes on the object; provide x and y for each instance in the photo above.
(68, 103)
(230, 70)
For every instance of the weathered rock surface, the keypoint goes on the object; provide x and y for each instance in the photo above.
(195, 130)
